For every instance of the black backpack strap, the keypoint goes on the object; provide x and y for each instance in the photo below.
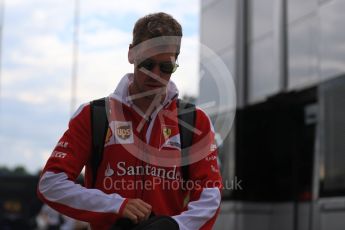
(186, 113)
(99, 128)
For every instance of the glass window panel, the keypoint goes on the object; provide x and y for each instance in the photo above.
(324, 1)
(207, 3)
(228, 57)
(263, 72)
(332, 44)
(303, 51)
(218, 25)
(298, 8)
(261, 20)
(332, 130)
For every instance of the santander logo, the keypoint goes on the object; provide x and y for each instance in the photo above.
(108, 171)
(164, 172)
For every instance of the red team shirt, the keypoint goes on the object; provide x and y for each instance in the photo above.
(130, 167)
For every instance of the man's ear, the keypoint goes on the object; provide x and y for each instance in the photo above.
(130, 54)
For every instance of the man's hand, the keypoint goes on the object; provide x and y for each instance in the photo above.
(137, 210)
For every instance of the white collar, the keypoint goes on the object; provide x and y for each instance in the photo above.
(121, 91)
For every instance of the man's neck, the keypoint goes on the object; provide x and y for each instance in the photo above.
(146, 104)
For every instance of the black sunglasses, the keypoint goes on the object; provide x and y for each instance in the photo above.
(167, 67)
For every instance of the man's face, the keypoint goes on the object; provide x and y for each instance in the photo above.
(152, 71)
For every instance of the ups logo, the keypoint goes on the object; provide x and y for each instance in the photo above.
(124, 132)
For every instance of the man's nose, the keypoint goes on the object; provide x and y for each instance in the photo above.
(156, 70)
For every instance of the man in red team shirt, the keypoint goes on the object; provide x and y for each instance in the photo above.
(140, 172)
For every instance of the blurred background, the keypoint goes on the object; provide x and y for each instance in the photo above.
(282, 161)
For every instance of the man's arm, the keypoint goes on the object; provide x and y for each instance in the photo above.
(57, 185)
(205, 197)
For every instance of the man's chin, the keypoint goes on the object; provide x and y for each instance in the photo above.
(150, 97)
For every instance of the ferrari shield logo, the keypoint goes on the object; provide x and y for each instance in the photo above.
(166, 132)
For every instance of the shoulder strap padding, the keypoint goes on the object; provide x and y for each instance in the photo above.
(99, 127)
(186, 114)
